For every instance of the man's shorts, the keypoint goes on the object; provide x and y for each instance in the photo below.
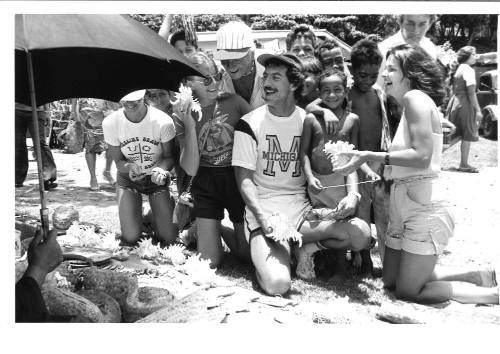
(214, 189)
(294, 206)
(330, 197)
(420, 220)
(143, 186)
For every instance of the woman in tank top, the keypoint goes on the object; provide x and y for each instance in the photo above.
(420, 222)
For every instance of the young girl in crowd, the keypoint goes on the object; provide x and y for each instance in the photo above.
(214, 186)
(140, 139)
(91, 113)
(336, 203)
(420, 222)
(463, 109)
(312, 71)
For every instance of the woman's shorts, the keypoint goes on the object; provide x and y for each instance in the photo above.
(214, 189)
(293, 206)
(94, 143)
(143, 186)
(420, 220)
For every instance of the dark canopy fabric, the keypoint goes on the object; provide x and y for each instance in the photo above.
(99, 56)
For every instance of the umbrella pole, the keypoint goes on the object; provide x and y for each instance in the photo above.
(44, 213)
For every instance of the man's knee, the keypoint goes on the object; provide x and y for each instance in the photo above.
(360, 235)
(275, 284)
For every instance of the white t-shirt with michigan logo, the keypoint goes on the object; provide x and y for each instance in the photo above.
(269, 145)
(139, 142)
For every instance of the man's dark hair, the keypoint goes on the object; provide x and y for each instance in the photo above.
(312, 65)
(179, 35)
(326, 44)
(294, 73)
(301, 30)
(364, 52)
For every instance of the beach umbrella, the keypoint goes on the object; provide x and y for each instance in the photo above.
(59, 56)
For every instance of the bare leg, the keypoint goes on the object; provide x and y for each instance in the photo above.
(162, 207)
(464, 153)
(236, 241)
(107, 170)
(484, 277)
(413, 284)
(391, 267)
(130, 213)
(272, 264)
(91, 159)
(381, 215)
(354, 233)
(209, 242)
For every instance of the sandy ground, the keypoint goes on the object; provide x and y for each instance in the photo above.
(473, 196)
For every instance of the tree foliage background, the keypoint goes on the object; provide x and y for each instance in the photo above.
(458, 30)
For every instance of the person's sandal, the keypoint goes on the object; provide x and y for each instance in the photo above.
(48, 185)
(468, 169)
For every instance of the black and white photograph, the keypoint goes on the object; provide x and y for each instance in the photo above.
(258, 165)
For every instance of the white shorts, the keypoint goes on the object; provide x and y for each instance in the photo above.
(294, 206)
(420, 220)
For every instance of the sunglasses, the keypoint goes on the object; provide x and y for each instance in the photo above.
(208, 80)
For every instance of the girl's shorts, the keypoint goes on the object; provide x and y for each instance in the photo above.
(143, 186)
(420, 220)
(214, 189)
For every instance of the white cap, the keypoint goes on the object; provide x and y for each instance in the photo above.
(236, 36)
(134, 96)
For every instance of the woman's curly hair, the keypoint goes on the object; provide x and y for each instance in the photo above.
(422, 71)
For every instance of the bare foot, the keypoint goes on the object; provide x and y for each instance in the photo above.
(94, 186)
(108, 177)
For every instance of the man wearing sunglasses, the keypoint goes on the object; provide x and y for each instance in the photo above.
(237, 53)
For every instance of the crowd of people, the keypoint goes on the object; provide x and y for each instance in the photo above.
(259, 149)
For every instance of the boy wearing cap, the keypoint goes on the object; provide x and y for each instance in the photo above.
(270, 178)
(237, 53)
(141, 141)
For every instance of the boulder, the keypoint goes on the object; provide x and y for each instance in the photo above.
(64, 216)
